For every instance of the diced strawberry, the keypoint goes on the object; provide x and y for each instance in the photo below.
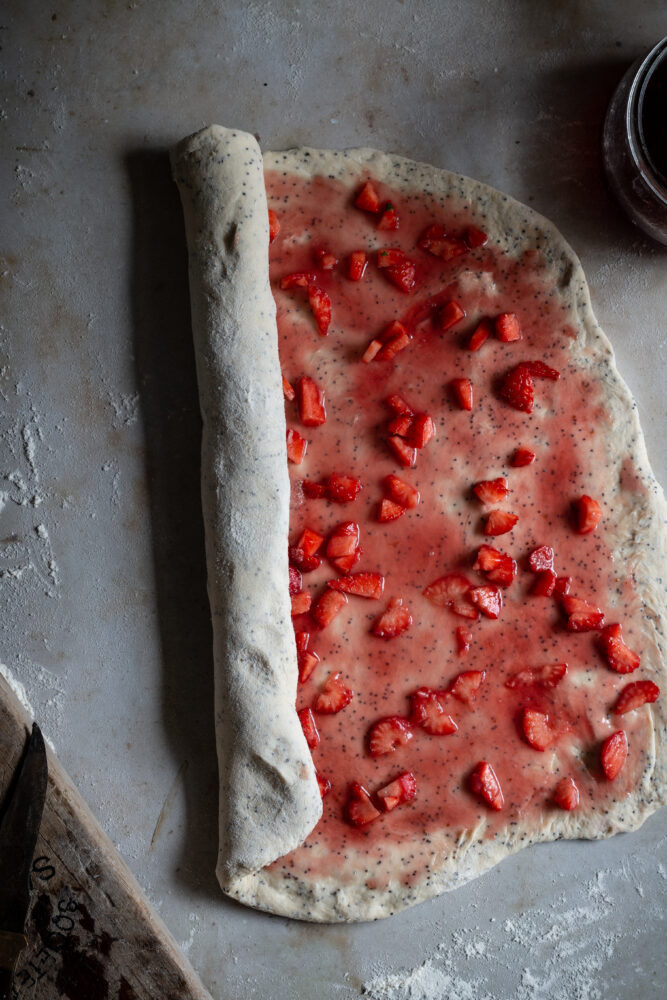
(359, 808)
(323, 784)
(403, 275)
(301, 603)
(310, 541)
(545, 583)
(345, 563)
(296, 446)
(389, 257)
(562, 586)
(406, 455)
(312, 410)
(320, 304)
(435, 241)
(367, 198)
(357, 263)
(635, 695)
(480, 335)
(298, 279)
(422, 431)
(538, 369)
(491, 491)
(400, 425)
(450, 314)
(452, 591)
(588, 514)
(499, 522)
(399, 405)
(333, 697)
(303, 562)
(582, 616)
(518, 389)
(400, 790)
(395, 620)
(327, 607)
(360, 584)
(566, 794)
(522, 457)
(428, 711)
(541, 558)
(389, 219)
(466, 685)
(389, 511)
(463, 639)
(288, 391)
(613, 754)
(307, 662)
(462, 389)
(342, 489)
(619, 656)
(536, 729)
(343, 540)
(326, 259)
(547, 676)
(507, 328)
(388, 734)
(274, 225)
(314, 491)
(372, 351)
(394, 346)
(402, 493)
(475, 237)
(307, 720)
(295, 582)
(485, 785)
(302, 640)
(489, 600)
(499, 568)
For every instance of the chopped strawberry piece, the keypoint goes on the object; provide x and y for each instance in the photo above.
(463, 639)
(389, 511)
(485, 785)
(320, 303)
(538, 369)
(522, 457)
(462, 389)
(635, 695)
(288, 391)
(310, 541)
(588, 514)
(333, 697)
(499, 522)
(541, 558)
(450, 314)
(326, 259)
(395, 620)
(582, 616)
(536, 729)
(400, 425)
(452, 591)
(499, 568)
(360, 584)
(389, 734)
(403, 275)
(307, 661)
(357, 263)
(613, 754)
(343, 540)
(302, 639)
(402, 789)
(406, 455)
(367, 198)
(402, 493)
(303, 562)
(428, 712)
(389, 257)
(295, 581)
(307, 720)
(562, 586)
(518, 389)
(394, 345)
(422, 431)
(466, 685)
(297, 446)
(619, 656)
(298, 279)
(327, 607)
(342, 489)
(475, 237)
(547, 676)
(314, 491)
(312, 410)
(399, 405)
(372, 351)
(301, 603)
(389, 218)
(545, 583)
(435, 241)
(491, 491)
(507, 328)
(566, 794)
(359, 808)
(480, 335)
(489, 600)
(323, 784)
(274, 225)
(345, 563)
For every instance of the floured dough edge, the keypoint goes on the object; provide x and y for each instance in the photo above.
(639, 544)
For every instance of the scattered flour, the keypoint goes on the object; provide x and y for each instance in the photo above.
(17, 688)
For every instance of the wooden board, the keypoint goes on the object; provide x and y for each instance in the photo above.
(93, 935)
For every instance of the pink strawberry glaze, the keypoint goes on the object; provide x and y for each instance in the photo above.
(567, 430)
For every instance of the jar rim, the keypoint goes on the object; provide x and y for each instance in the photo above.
(633, 119)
